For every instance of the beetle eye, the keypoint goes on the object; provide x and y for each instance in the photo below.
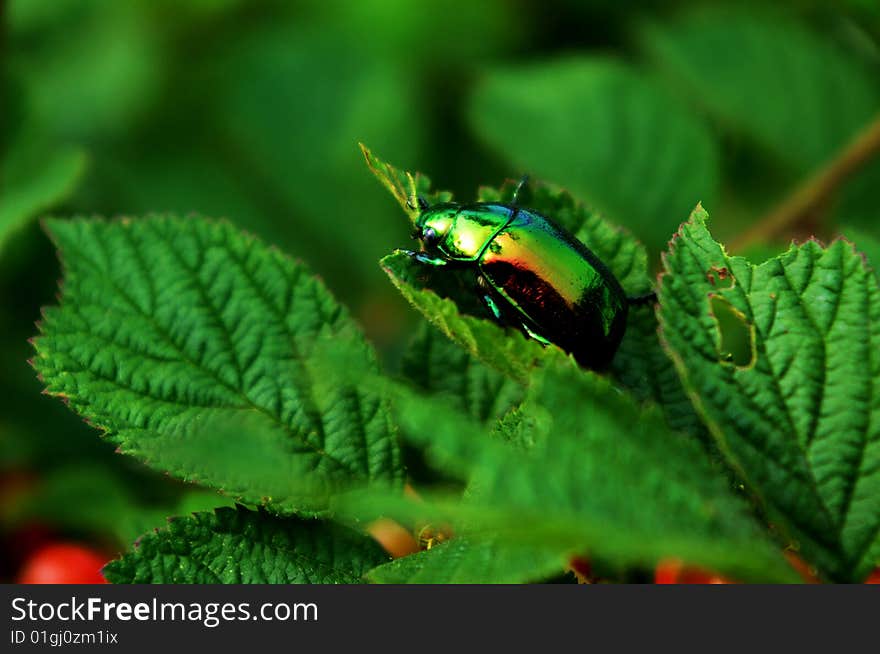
(430, 236)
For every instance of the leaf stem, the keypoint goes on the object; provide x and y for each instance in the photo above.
(815, 192)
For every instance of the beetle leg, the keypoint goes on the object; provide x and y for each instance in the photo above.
(519, 187)
(426, 259)
(534, 335)
(489, 301)
(493, 307)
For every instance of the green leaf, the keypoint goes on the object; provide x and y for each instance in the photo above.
(404, 186)
(465, 560)
(208, 355)
(866, 244)
(644, 368)
(32, 182)
(601, 479)
(237, 546)
(610, 134)
(437, 366)
(755, 70)
(800, 421)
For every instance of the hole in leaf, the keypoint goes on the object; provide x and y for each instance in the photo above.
(735, 334)
(720, 277)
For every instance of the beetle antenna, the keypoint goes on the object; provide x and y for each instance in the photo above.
(417, 202)
(519, 187)
(414, 201)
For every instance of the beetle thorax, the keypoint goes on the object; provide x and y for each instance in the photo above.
(435, 224)
(462, 233)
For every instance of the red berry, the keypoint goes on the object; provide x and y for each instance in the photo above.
(874, 577)
(581, 567)
(808, 574)
(63, 563)
(673, 571)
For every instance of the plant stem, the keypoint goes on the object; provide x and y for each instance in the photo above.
(815, 192)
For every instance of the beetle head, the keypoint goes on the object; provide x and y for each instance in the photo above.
(434, 224)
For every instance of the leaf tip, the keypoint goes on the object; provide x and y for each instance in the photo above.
(368, 155)
(699, 214)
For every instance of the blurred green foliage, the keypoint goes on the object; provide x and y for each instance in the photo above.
(253, 111)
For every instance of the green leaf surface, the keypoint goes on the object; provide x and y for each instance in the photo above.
(33, 181)
(602, 478)
(644, 368)
(204, 353)
(801, 421)
(611, 135)
(438, 366)
(465, 560)
(238, 546)
(755, 70)
(95, 81)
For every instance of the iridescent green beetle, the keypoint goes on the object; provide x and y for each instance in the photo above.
(530, 273)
